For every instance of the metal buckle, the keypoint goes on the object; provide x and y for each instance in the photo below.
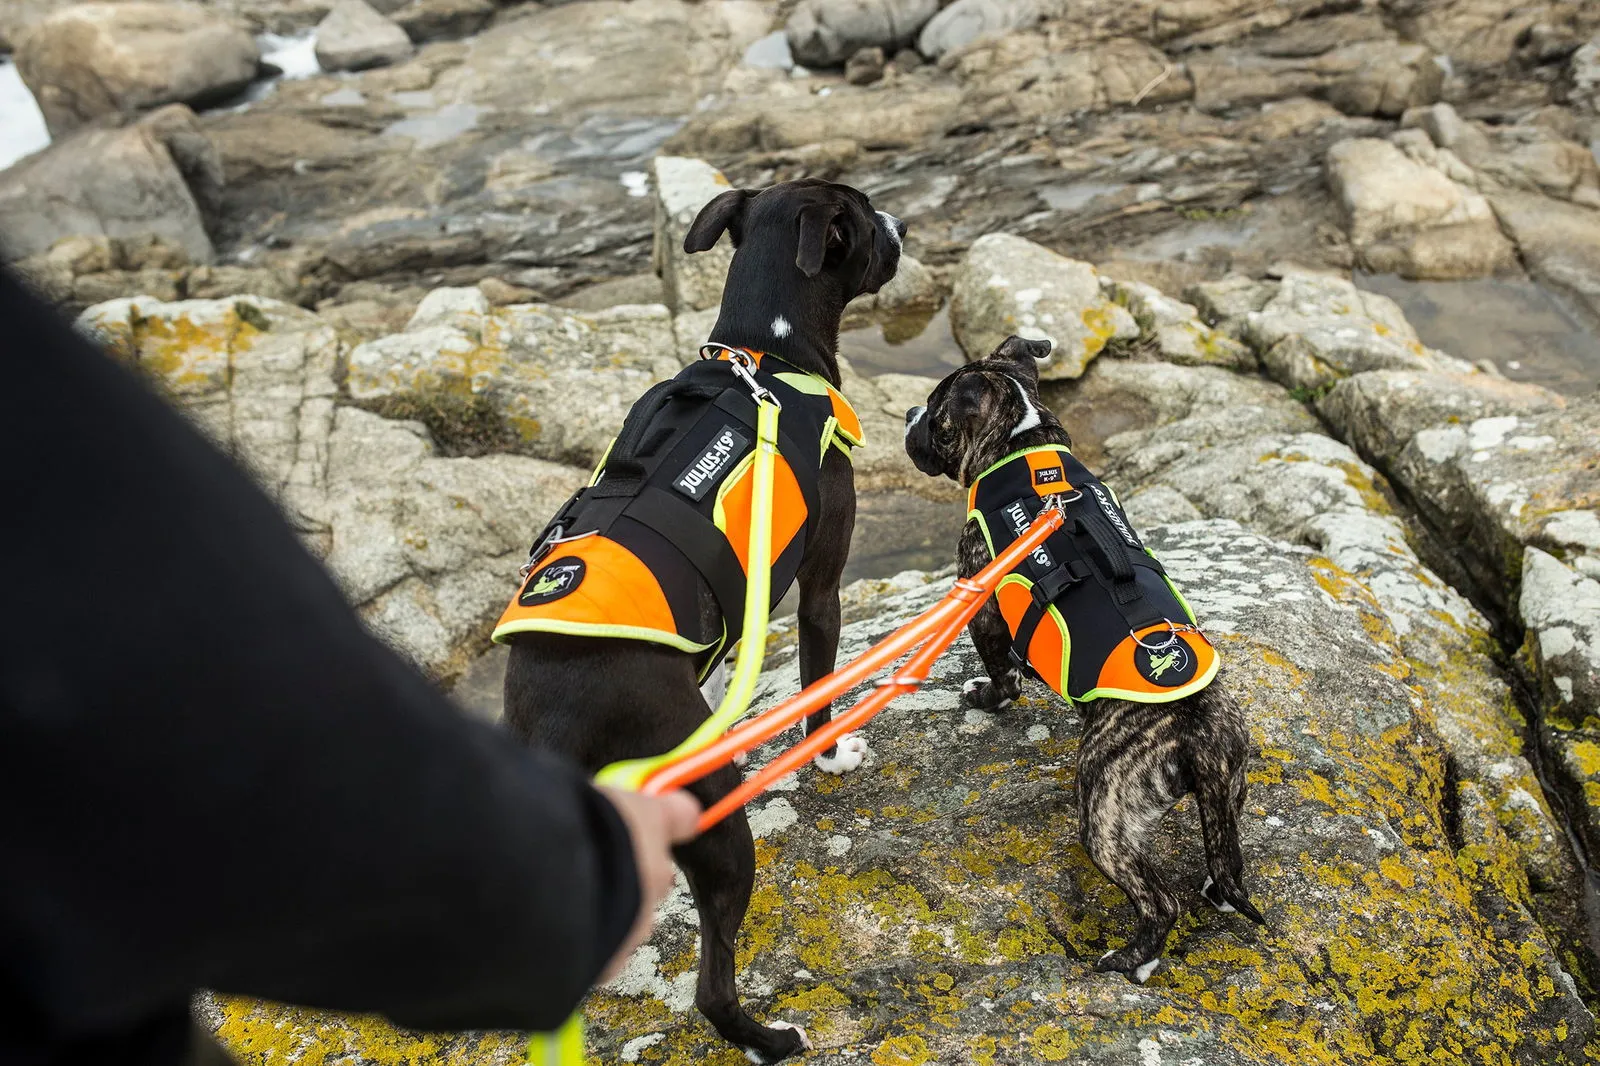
(743, 369)
(1173, 629)
(540, 550)
(1058, 502)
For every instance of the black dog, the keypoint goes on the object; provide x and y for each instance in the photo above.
(803, 250)
(1136, 759)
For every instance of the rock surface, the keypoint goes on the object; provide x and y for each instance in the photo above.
(966, 21)
(825, 33)
(683, 186)
(425, 547)
(531, 378)
(1010, 285)
(1412, 220)
(356, 37)
(144, 180)
(99, 59)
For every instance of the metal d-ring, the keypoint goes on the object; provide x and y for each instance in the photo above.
(1172, 637)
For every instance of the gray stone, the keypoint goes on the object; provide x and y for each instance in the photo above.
(1007, 285)
(103, 58)
(443, 20)
(1318, 329)
(558, 382)
(865, 66)
(425, 547)
(966, 21)
(1178, 333)
(355, 37)
(1363, 78)
(682, 187)
(1559, 242)
(1560, 610)
(1410, 219)
(140, 180)
(1380, 411)
(825, 33)
(1586, 75)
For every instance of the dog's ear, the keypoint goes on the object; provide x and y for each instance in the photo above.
(820, 229)
(1027, 355)
(726, 212)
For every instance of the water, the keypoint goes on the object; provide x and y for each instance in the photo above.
(1530, 332)
(295, 55)
(22, 129)
(903, 344)
(436, 127)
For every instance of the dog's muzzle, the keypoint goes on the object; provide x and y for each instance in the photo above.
(914, 416)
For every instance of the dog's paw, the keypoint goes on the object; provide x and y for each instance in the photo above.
(1214, 898)
(761, 1060)
(983, 694)
(847, 755)
(742, 759)
(1128, 964)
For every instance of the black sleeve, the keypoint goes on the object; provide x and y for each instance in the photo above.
(211, 775)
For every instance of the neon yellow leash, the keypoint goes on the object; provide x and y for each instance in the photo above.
(564, 1047)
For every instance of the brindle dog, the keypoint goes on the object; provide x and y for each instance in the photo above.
(1136, 760)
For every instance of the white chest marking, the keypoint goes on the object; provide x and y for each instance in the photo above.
(1029, 420)
(781, 327)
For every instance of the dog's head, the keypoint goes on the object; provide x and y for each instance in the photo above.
(983, 412)
(823, 230)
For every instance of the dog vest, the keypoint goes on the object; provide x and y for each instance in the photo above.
(671, 501)
(1091, 612)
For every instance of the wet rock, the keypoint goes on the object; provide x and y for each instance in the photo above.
(1409, 219)
(865, 66)
(140, 180)
(443, 20)
(535, 379)
(355, 37)
(1007, 285)
(425, 547)
(825, 33)
(1318, 329)
(966, 21)
(1559, 242)
(1177, 332)
(103, 58)
(683, 186)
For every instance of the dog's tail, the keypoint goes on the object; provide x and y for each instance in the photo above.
(1218, 799)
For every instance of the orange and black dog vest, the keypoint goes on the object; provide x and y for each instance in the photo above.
(1091, 612)
(669, 507)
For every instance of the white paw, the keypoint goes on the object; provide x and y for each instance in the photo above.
(805, 1042)
(973, 684)
(742, 759)
(847, 755)
(1142, 973)
(1223, 907)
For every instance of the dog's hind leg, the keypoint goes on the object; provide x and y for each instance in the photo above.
(720, 865)
(819, 615)
(1129, 776)
(1217, 769)
(1003, 683)
(1117, 848)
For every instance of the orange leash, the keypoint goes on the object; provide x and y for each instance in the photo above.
(934, 629)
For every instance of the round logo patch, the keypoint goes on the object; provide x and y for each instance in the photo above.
(1168, 667)
(553, 581)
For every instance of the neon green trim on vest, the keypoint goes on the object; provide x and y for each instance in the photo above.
(1199, 682)
(1054, 615)
(812, 385)
(600, 629)
(632, 773)
(1019, 453)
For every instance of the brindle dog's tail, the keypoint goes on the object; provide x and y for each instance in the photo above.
(1219, 798)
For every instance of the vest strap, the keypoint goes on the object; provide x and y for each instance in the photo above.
(700, 542)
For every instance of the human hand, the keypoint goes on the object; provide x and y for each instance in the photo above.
(655, 824)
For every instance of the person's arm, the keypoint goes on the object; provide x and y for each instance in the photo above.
(212, 775)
